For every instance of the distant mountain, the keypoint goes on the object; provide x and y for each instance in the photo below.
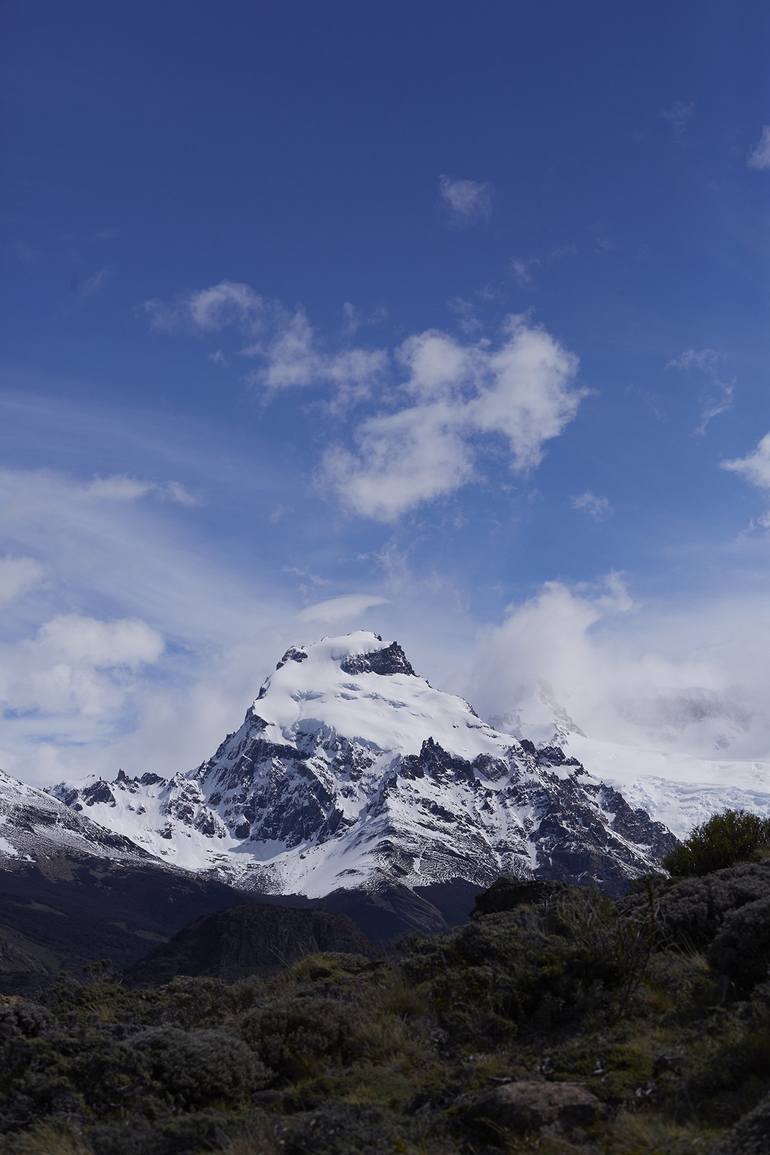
(352, 773)
(37, 828)
(674, 786)
(247, 940)
(74, 893)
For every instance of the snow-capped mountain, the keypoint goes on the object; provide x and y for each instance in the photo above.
(677, 788)
(351, 771)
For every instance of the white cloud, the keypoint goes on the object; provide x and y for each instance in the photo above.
(401, 460)
(528, 396)
(520, 390)
(688, 677)
(17, 575)
(291, 357)
(466, 199)
(437, 365)
(759, 157)
(86, 680)
(342, 608)
(598, 508)
(754, 467)
(76, 668)
(721, 394)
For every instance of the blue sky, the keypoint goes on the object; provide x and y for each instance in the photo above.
(320, 316)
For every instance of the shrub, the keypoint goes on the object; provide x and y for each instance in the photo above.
(735, 1073)
(290, 1035)
(187, 1069)
(727, 838)
(741, 949)
(533, 967)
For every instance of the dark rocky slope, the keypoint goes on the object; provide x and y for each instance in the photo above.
(247, 940)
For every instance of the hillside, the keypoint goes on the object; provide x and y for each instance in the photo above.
(555, 1022)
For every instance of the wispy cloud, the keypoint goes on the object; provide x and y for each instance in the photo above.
(226, 304)
(467, 200)
(129, 649)
(283, 342)
(721, 392)
(344, 608)
(95, 283)
(598, 508)
(291, 357)
(120, 487)
(17, 575)
(678, 115)
(522, 270)
(354, 318)
(759, 157)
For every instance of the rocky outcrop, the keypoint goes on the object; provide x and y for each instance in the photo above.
(534, 1106)
(246, 940)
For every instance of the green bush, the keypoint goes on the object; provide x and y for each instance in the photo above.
(741, 949)
(185, 1069)
(727, 838)
(292, 1035)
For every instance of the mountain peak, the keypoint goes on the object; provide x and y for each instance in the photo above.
(352, 771)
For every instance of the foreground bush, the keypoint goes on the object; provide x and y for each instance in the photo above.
(734, 836)
(650, 1014)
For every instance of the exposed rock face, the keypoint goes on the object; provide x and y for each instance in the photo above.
(391, 660)
(246, 940)
(350, 771)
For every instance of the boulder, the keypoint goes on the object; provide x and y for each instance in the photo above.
(534, 1105)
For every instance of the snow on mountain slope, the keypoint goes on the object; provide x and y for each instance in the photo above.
(351, 771)
(34, 827)
(676, 789)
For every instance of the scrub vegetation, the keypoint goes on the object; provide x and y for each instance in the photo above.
(556, 1021)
